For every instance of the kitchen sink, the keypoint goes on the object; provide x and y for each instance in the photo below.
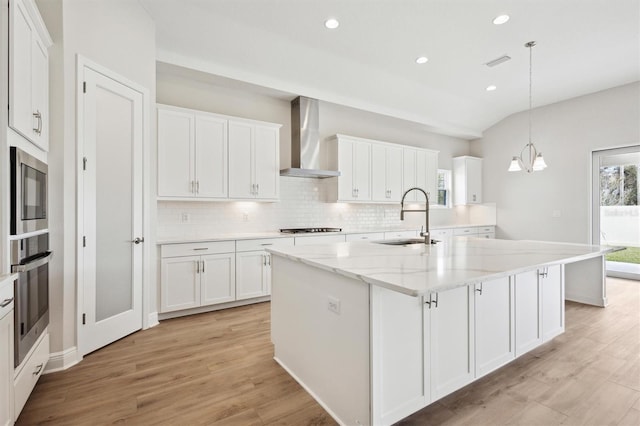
(404, 241)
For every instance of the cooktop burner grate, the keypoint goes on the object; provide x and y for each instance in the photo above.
(307, 230)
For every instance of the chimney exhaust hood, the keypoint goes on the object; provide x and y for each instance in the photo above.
(305, 142)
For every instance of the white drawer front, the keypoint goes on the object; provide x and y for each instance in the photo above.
(30, 373)
(194, 249)
(486, 229)
(319, 239)
(441, 234)
(262, 243)
(6, 297)
(487, 235)
(371, 236)
(466, 231)
(400, 234)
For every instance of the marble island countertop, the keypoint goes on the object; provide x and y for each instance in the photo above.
(418, 269)
(276, 234)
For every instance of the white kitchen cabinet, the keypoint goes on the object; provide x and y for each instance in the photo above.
(254, 160)
(352, 156)
(528, 312)
(420, 169)
(386, 173)
(29, 372)
(6, 352)
(467, 180)
(190, 278)
(494, 324)
(552, 283)
(450, 321)
(444, 235)
(365, 236)
(29, 42)
(192, 154)
(253, 266)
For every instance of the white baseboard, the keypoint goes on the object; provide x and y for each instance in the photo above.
(152, 320)
(586, 300)
(211, 308)
(59, 361)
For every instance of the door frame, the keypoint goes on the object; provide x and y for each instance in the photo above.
(148, 319)
(594, 214)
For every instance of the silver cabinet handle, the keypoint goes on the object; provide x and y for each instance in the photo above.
(193, 186)
(479, 290)
(269, 258)
(203, 266)
(197, 266)
(38, 116)
(38, 369)
(253, 189)
(201, 248)
(435, 302)
(5, 302)
(264, 259)
(197, 187)
(257, 188)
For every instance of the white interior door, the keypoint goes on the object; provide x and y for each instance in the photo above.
(110, 210)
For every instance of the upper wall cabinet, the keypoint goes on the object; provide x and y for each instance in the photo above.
(192, 154)
(420, 169)
(29, 42)
(254, 160)
(467, 180)
(386, 173)
(352, 156)
(205, 156)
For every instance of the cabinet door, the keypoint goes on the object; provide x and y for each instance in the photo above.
(431, 176)
(267, 160)
(180, 283)
(217, 278)
(494, 325)
(346, 181)
(452, 340)
(552, 302)
(6, 369)
(409, 172)
(250, 274)
(379, 190)
(394, 173)
(176, 146)
(40, 92)
(362, 170)
(21, 113)
(211, 157)
(474, 180)
(241, 161)
(528, 312)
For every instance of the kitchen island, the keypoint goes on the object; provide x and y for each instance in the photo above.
(376, 332)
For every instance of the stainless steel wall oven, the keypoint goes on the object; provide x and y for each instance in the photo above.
(30, 259)
(28, 193)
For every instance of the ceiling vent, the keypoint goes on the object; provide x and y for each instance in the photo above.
(498, 61)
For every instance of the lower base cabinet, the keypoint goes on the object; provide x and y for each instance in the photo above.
(30, 371)
(253, 276)
(6, 355)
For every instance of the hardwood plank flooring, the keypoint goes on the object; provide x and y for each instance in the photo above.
(217, 368)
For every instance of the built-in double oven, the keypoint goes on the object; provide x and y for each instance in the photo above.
(29, 247)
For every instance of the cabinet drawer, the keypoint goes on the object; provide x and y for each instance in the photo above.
(486, 229)
(487, 235)
(466, 231)
(33, 367)
(6, 296)
(319, 239)
(400, 234)
(441, 234)
(193, 249)
(371, 236)
(261, 244)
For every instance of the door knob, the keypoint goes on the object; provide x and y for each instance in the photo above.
(138, 240)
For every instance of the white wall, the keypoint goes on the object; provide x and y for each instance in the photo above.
(566, 133)
(120, 36)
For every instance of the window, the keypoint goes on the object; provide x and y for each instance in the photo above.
(444, 188)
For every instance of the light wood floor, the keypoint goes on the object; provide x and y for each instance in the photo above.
(217, 368)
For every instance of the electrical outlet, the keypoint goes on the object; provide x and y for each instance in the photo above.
(334, 305)
(185, 218)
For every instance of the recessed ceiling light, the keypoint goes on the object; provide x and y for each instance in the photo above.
(491, 88)
(422, 60)
(331, 23)
(499, 20)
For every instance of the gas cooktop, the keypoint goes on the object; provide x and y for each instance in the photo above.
(306, 230)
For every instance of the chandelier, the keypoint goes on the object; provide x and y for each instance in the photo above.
(529, 160)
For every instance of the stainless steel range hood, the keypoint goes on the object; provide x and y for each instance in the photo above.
(305, 141)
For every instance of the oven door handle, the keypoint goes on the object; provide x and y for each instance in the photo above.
(32, 265)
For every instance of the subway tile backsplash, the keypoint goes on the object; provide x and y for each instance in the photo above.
(302, 204)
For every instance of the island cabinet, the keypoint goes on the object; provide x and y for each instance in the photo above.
(194, 275)
(29, 42)
(386, 173)
(254, 160)
(192, 154)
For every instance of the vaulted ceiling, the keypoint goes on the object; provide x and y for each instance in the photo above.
(368, 62)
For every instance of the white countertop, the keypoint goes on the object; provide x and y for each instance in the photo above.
(277, 234)
(419, 269)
